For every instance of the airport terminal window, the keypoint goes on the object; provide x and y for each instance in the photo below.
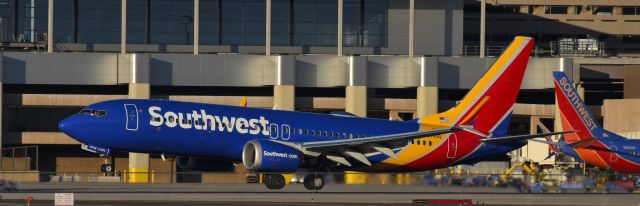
(98, 21)
(137, 11)
(63, 18)
(209, 12)
(630, 10)
(171, 22)
(556, 9)
(243, 22)
(365, 23)
(315, 22)
(280, 18)
(31, 22)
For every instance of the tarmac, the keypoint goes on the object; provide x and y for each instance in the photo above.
(332, 194)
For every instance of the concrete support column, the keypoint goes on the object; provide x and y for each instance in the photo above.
(356, 91)
(123, 27)
(427, 97)
(284, 97)
(483, 19)
(196, 26)
(139, 88)
(356, 100)
(267, 45)
(340, 14)
(49, 27)
(138, 162)
(284, 90)
(411, 26)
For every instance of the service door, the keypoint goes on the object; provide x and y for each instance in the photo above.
(613, 157)
(132, 117)
(452, 148)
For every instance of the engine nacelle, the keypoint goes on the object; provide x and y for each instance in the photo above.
(267, 156)
(203, 165)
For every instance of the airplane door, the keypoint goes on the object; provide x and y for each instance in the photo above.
(132, 117)
(452, 148)
(613, 157)
(286, 132)
(273, 131)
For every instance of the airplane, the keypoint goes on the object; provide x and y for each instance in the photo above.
(590, 143)
(274, 142)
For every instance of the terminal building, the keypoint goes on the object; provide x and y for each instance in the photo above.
(399, 59)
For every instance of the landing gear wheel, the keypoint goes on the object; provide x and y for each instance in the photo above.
(313, 182)
(106, 168)
(274, 181)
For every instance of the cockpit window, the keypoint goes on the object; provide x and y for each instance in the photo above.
(97, 113)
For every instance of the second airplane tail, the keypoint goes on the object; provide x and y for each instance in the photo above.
(574, 114)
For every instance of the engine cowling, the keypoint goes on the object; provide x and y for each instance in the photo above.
(267, 156)
(203, 165)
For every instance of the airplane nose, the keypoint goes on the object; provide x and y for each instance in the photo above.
(70, 126)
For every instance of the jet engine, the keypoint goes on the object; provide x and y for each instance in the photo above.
(268, 156)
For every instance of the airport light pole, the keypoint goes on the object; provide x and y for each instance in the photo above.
(483, 18)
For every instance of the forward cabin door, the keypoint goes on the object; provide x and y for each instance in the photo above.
(452, 146)
(132, 117)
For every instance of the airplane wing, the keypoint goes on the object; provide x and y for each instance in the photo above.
(500, 140)
(360, 148)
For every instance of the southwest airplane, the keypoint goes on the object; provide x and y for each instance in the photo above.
(274, 142)
(591, 143)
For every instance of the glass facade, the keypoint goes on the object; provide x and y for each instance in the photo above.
(222, 22)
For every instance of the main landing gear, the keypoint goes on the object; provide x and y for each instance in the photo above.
(277, 181)
(274, 181)
(313, 182)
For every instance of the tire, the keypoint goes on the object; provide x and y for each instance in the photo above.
(107, 168)
(308, 182)
(313, 182)
(278, 182)
(318, 182)
(267, 181)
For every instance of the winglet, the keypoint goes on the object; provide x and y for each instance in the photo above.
(244, 101)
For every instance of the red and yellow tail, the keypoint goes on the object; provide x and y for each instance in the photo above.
(491, 100)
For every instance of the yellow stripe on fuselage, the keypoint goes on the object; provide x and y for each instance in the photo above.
(446, 119)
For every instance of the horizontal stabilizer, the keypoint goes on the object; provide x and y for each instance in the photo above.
(583, 144)
(508, 139)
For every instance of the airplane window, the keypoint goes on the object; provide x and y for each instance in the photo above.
(344, 135)
(350, 136)
(418, 142)
(313, 132)
(429, 143)
(307, 132)
(102, 113)
(299, 131)
(424, 142)
(326, 133)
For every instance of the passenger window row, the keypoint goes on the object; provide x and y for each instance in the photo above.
(329, 134)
